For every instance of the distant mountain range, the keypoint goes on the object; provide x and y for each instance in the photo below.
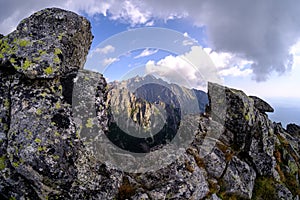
(154, 89)
(142, 105)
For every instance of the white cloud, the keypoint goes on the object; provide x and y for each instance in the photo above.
(226, 59)
(261, 31)
(108, 61)
(105, 50)
(192, 69)
(295, 51)
(235, 71)
(189, 41)
(130, 12)
(229, 64)
(146, 52)
(90, 7)
(150, 23)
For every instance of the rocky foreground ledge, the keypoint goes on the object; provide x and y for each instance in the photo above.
(42, 156)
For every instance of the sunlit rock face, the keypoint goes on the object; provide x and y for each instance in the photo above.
(54, 115)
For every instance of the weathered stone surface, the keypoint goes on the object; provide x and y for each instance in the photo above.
(39, 145)
(42, 145)
(215, 163)
(53, 128)
(283, 192)
(261, 105)
(181, 180)
(49, 43)
(263, 146)
(294, 130)
(239, 179)
(234, 110)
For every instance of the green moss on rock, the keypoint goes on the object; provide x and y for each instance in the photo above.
(264, 188)
(2, 163)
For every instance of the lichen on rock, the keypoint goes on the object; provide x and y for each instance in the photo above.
(54, 116)
(48, 44)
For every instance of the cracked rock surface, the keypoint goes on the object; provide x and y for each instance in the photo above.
(53, 114)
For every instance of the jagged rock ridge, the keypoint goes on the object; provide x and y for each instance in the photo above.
(46, 133)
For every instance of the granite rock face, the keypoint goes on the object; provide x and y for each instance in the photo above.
(54, 116)
(48, 44)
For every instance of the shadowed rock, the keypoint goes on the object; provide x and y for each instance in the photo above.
(261, 105)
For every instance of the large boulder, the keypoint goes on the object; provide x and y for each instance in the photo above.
(38, 63)
(48, 44)
(261, 105)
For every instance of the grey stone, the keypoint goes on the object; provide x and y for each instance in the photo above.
(48, 44)
(239, 179)
(261, 105)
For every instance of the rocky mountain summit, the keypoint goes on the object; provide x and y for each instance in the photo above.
(55, 119)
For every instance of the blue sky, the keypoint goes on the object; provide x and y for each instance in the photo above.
(254, 46)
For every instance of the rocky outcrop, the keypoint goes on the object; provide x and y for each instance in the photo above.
(48, 44)
(293, 129)
(38, 62)
(261, 105)
(55, 128)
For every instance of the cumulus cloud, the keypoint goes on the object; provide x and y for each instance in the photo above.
(259, 31)
(229, 64)
(192, 69)
(108, 61)
(105, 50)
(146, 52)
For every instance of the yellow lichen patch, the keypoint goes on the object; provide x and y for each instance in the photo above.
(6, 103)
(26, 64)
(89, 123)
(37, 58)
(37, 140)
(57, 51)
(56, 60)
(57, 105)
(42, 52)
(2, 162)
(44, 94)
(24, 43)
(15, 164)
(12, 61)
(48, 70)
(60, 36)
(40, 148)
(28, 132)
(38, 111)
